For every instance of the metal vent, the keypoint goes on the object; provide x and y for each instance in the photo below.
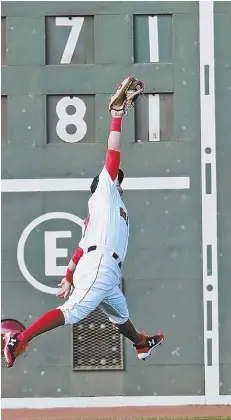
(97, 344)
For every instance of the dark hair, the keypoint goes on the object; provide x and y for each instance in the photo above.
(96, 180)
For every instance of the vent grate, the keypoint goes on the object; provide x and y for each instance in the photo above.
(97, 344)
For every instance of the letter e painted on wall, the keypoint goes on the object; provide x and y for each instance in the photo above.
(53, 252)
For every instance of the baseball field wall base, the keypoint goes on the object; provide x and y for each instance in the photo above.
(95, 402)
(60, 63)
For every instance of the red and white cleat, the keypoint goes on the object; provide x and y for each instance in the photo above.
(144, 350)
(13, 348)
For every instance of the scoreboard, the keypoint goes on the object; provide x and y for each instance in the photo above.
(61, 64)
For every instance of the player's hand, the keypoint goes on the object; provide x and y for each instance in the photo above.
(65, 289)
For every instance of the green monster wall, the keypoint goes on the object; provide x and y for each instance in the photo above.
(60, 64)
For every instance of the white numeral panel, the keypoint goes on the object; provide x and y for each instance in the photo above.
(76, 119)
(76, 24)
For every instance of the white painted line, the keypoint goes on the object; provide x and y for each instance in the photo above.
(153, 39)
(83, 184)
(209, 201)
(78, 402)
(154, 117)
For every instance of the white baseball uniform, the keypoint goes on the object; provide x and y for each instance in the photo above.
(98, 274)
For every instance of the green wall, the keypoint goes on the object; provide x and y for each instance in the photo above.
(163, 270)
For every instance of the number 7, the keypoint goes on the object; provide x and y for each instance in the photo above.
(76, 23)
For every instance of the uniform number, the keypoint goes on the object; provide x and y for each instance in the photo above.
(76, 119)
(76, 23)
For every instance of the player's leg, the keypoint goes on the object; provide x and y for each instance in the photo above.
(84, 299)
(16, 343)
(143, 343)
(115, 307)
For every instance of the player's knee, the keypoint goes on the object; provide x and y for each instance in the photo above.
(70, 315)
(119, 325)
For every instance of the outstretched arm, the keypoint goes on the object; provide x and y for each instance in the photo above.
(114, 139)
(124, 98)
(112, 162)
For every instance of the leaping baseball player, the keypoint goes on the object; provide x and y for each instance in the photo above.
(95, 267)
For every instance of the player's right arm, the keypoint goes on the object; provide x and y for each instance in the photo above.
(73, 263)
(67, 281)
(77, 254)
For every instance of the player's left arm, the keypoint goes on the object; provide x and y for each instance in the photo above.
(124, 98)
(110, 171)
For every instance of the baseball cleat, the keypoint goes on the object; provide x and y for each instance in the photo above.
(13, 348)
(144, 350)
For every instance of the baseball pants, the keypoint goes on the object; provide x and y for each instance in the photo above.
(96, 284)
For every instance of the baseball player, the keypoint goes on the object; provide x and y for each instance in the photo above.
(95, 267)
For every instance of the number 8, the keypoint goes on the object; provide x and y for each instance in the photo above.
(75, 119)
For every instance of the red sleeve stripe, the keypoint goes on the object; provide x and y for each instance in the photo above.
(77, 255)
(112, 163)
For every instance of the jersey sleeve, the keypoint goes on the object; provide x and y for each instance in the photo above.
(108, 176)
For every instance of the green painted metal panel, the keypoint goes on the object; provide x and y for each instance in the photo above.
(3, 41)
(222, 7)
(3, 119)
(25, 41)
(111, 32)
(42, 160)
(186, 77)
(59, 381)
(26, 120)
(57, 39)
(165, 38)
(102, 122)
(143, 380)
(67, 8)
(141, 39)
(169, 306)
(82, 78)
(225, 374)
(166, 235)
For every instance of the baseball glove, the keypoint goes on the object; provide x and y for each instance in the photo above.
(126, 94)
